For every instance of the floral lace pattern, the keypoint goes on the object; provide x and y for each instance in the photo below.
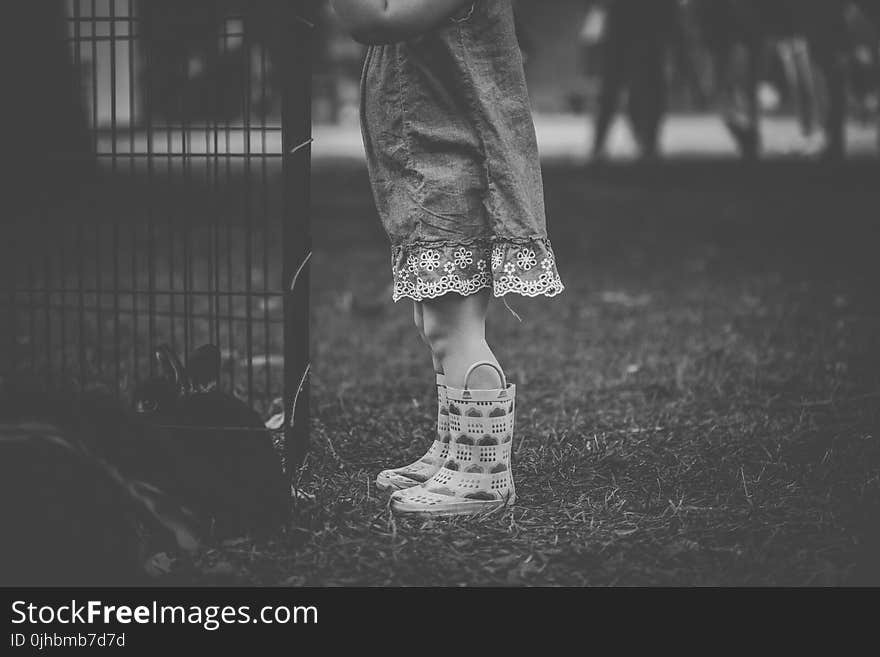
(427, 271)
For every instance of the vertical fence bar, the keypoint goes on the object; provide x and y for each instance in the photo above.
(296, 165)
(132, 122)
(209, 242)
(169, 146)
(187, 217)
(32, 313)
(11, 312)
(80, 241)
(115, 228)
(99, 352)
(228, 219)
(56, 157)
(47, 289)
(247, 203)
(62, 229)
(147, 97)
(214, 273)
(264, 189)
(10, 280)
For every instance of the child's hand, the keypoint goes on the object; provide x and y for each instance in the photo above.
(388, 21)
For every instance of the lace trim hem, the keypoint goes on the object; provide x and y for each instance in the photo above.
(428, 271)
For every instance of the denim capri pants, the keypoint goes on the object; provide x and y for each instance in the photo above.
(453, 160)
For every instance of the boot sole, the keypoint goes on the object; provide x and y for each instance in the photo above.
(459, 509)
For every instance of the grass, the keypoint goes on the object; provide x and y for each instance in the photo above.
(699, 408)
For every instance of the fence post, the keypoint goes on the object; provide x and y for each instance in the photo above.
(296, 171)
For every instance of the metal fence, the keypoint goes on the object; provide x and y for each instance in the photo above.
(175, 207)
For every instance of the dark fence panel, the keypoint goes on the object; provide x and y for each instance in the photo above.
(179, 213)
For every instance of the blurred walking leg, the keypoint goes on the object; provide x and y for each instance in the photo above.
(827, 32)
(617, 58)
(795, 56)
(647, 100)
(741, 111)
(612, 85)
(732, 31)
(833, 64)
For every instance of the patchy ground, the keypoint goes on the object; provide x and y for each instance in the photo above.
(699, 408)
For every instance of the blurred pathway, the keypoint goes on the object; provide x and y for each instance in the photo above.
(566, 138)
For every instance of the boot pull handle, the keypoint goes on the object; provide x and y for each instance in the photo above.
(467, 375)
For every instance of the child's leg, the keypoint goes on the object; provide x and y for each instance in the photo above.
(418, 318)
(455, 328)
(421, 470)
(475, 475)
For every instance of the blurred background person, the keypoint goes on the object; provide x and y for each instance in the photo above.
(863, 19)
(731, 33)
(636, 37)
(799, 33)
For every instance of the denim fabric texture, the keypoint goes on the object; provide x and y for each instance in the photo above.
(453, 160)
